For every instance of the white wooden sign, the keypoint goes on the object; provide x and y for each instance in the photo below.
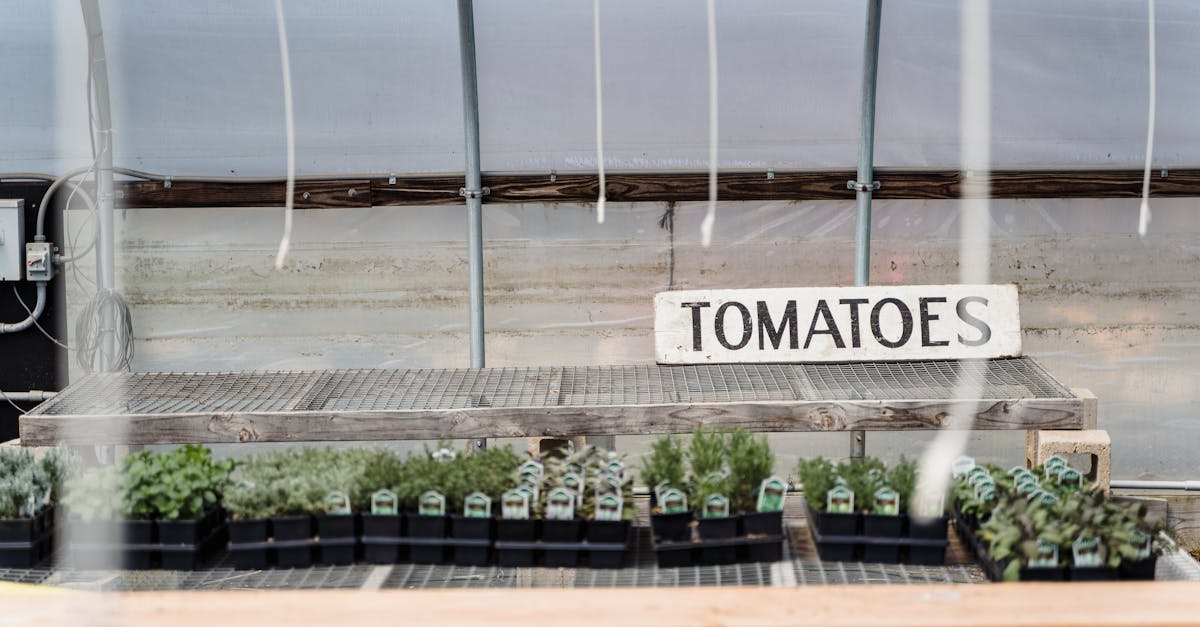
(832, 324)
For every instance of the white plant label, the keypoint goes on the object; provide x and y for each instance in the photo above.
(837, 324)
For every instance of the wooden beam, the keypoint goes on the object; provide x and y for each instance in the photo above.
(925, 605)
(542, 187)
(322, 426)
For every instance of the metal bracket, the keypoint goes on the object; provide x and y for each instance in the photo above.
(392, 179)
(167, 182)
(473, 193)
(553, 175)
(862, 187)
(771, 174)
(1163, 173)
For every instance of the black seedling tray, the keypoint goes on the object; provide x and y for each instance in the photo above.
(845, 548)
(764, 548)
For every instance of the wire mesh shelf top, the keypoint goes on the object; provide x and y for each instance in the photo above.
(111, 394)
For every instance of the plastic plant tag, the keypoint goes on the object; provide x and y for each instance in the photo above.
(1046, 498)
(839, 500)
(383, 503)
(1026, 488)
(1055, 464)
(961, 466)
(611, 483)
(575, 483)
(514, 504)
(560, 504)
(1046, 555)
(977, 474)
(337, 503)
(531, 472)
(659, 489)
(1086, 552)
(432, 503)
(616, 467)
(477, 505)
(1070, 477)
(716, 506)
(444, 455)
(674, 501)
(771, 494)
(887, 502)
(1141, 540)
(986, 484)
(609, 507)
(988, 493)
(1016, 472)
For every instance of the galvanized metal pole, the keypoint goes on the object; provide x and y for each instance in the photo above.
(105, 247)
(865, 184)
(474, 190)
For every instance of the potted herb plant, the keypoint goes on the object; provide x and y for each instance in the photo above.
(29, 489)
(663, 469)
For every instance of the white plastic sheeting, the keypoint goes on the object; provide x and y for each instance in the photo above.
(197, 85)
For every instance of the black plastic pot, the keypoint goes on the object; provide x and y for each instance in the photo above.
(834, 524)
(182, 531)
(674, 555)
(427, 535)
(337, 539)
(1142, 570)
(247, 531)
(20, 529)
(717, 528)
(1093, 573)
(139, 538)
(609, 534)
(1040, 574)
(248, 543)
(381, 536)
(518, 531)
(882, 526)
(762, 523)
(928, 529)
(24, 541)
(293, 546)
(464, 528)
(562, 532)
(671, 527)
(766, 549)
(881, 553)
(926, 555)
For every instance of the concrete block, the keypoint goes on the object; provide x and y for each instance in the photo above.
(1041, 445)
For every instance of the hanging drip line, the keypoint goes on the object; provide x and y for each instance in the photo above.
(285, 242)
(1144, 211)
(599, 113)
(706, 227)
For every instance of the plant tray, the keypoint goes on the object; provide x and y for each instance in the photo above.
(26, 542)
(725, 551)
(846, 548)
(604, 544)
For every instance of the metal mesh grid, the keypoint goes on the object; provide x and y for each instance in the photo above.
(994, 378)
(220, 576)
(355, 390)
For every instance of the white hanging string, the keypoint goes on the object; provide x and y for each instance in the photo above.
(599, 113)
(286, 241)
(706, 227)
(1144, 213)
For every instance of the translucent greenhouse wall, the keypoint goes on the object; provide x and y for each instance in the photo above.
(196, 90)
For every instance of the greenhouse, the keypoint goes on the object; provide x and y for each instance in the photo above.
(818, 311)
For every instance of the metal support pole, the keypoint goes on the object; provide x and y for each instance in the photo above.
(474, 190)
(105, 256)
(865, 184)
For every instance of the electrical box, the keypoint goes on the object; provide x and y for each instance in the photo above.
(12, 239)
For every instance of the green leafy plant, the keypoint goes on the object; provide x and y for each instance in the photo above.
(818, 477)
(176, 485)
(707, 452)
(665, 462)
(29, 483)
(750, 461)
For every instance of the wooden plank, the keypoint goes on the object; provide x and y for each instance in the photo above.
(41, 430)
(192, 194)
(926, 605)
(734, 185)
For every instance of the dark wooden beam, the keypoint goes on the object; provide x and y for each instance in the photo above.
(929, 184)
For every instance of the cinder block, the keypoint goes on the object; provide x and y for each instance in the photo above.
(1041, 445)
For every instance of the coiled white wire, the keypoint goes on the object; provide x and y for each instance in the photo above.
(1144, 211)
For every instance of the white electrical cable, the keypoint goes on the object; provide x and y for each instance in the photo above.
(706, 227)
(599, 114)
(286, 241)
(1144, 211)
